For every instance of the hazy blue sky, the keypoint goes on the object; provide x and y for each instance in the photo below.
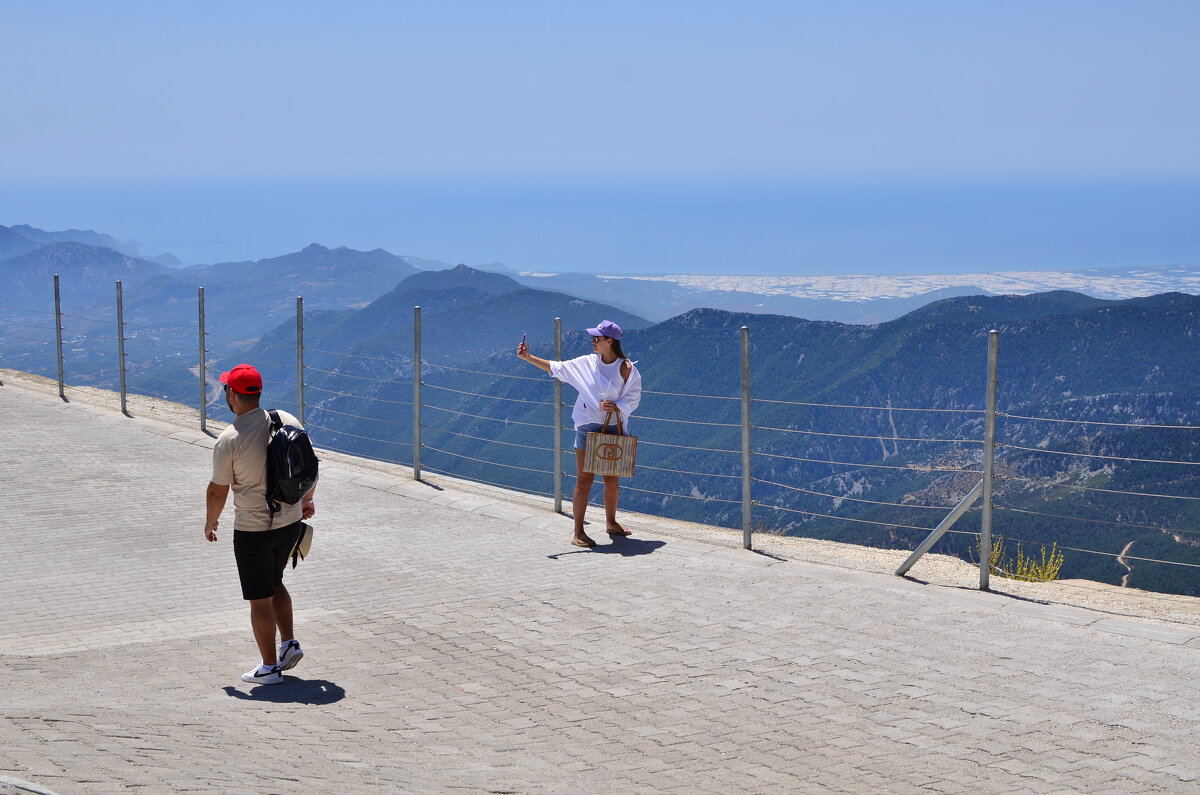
(668, 136)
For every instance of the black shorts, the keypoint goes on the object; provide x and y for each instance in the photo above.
(261, 558)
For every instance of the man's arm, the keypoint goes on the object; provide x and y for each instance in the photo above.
(308, 509)
(214, 500)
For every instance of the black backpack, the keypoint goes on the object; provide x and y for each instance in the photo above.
(291, 464)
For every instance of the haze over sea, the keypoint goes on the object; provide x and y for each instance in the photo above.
(709, 226)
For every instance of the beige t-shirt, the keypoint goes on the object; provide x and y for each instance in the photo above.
(240, 461)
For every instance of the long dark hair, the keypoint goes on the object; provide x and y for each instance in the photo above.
(616, 348)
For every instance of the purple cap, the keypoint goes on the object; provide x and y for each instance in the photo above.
(607, 328)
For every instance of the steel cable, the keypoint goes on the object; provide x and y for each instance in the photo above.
(681, 496)
(1097, 455)
(175, 381)
(865, 408)
(30, 311)
(855, 436)
(217, 354)
(482, 372)
(860, 521)
(686, 472)
(483, 461)
(146, 393)
(40, 340)
(358, 416)
(134, 390)
(79, 335)
(106, 320)
(909, 468)
(853, 499)
(193, 331)
(1099, 422)
(1105, 491)
(336, 374)
(691, 422)
(490, 397)
(291, 347)
(482, 439)
(359, 397)
(355, 436)
(143, 343)
(361, 455)
(1095, 521)
(688, 395)
(358, 356)
(488, 482)
(481, 417)
(685, 447)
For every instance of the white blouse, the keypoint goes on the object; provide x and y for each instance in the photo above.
(597, 381)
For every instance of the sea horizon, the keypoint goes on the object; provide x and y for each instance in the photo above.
(660, 226)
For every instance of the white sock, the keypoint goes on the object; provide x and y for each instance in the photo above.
(266, 669)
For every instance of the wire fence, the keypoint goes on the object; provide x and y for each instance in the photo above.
(839, 470)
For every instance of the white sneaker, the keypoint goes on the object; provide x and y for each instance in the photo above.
(257, 676)
(290, 655)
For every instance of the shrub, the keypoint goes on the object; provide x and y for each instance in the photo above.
(1025, 568)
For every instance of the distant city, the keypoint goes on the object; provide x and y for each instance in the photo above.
(1106, 283)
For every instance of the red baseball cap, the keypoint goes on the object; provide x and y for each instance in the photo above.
(243, 379)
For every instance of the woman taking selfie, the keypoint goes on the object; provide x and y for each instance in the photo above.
(607, 382)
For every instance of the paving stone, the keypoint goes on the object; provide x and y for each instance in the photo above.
(1148, 630)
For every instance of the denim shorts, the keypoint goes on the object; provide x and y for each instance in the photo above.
(583, 430)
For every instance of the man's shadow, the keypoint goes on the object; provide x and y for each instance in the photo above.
(621, 545)
(292, 691)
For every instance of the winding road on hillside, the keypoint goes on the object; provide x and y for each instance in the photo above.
(1124, 561)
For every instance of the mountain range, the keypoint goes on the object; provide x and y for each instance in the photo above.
(847, 298)
(466, 314)
(244, 299)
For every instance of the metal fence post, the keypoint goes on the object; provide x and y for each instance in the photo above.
(58, 336)
(747, 503)
(416, 393)
(989, 461)
(947, 522)
(300, 359)
(121, 343)
(203, 364)
(558, 453)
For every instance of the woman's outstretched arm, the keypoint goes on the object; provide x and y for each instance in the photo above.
(523, 353)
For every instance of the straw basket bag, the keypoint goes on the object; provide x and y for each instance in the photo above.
(609, 453)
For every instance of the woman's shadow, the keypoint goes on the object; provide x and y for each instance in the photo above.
(292, 691)
(621, 545)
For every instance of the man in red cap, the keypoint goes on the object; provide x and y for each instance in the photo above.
(262, 543)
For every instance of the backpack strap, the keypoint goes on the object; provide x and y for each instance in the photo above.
(273, 506)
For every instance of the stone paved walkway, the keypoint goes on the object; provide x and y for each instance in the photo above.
(456, 643)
